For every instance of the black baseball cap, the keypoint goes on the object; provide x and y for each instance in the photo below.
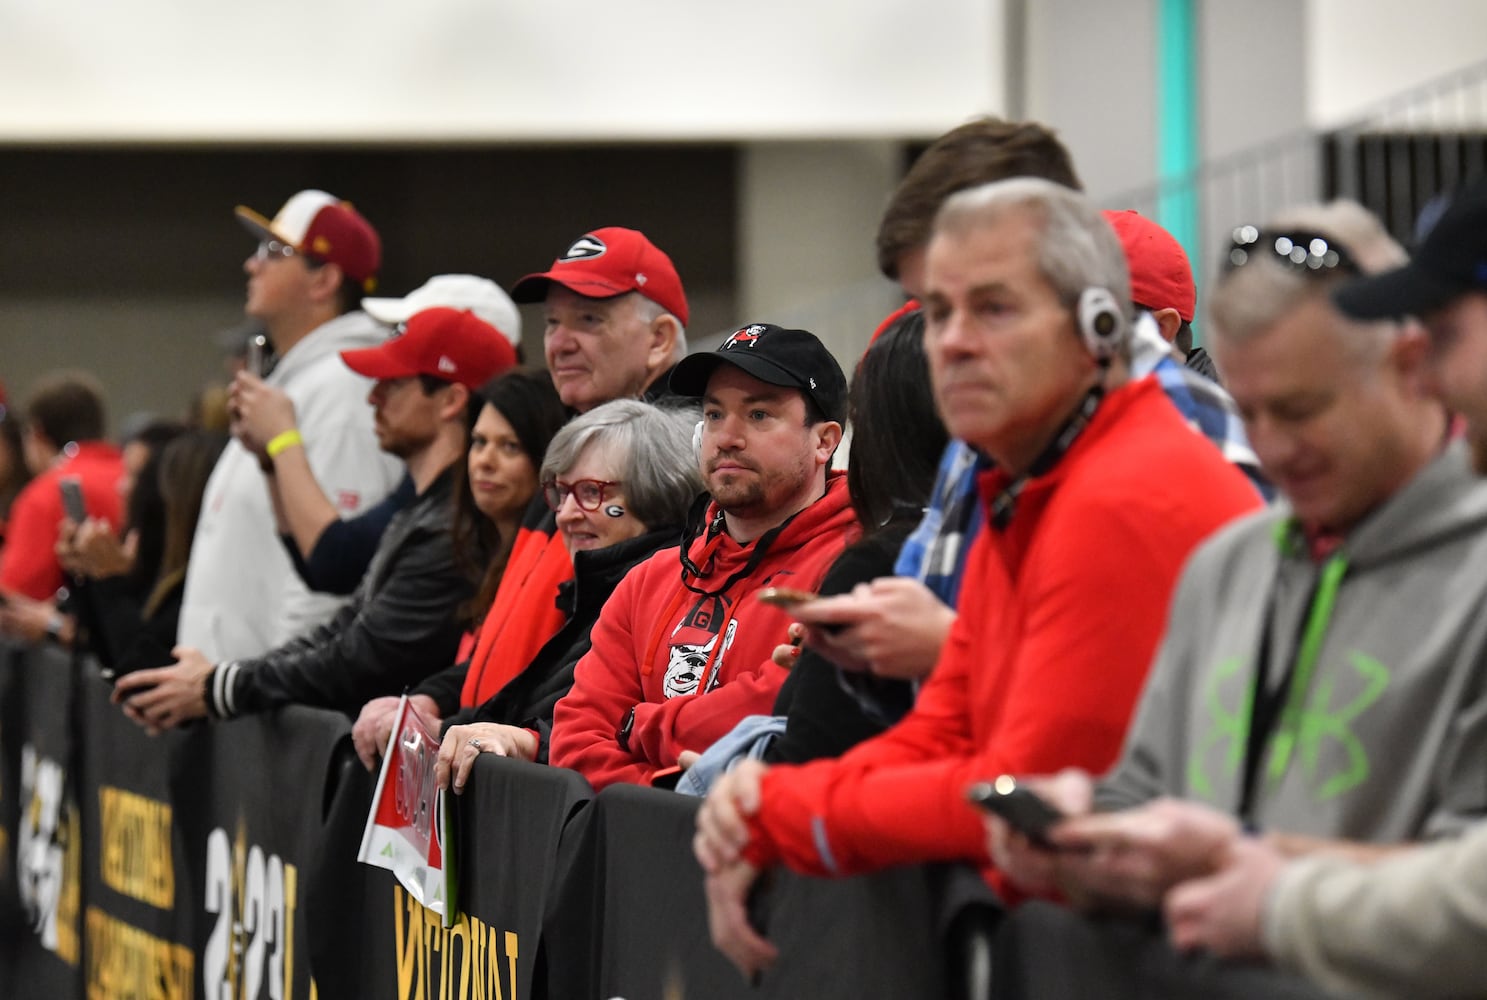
(793, 358)
(1450, 262)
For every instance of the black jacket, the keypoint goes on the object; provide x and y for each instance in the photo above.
(401, 624)
(111, 611)
(824, 719)
(529, 698)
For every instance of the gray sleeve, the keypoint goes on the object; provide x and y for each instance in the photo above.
(1151, 760)
(1411, 925)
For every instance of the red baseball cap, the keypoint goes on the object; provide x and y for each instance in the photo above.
(452, 344)
(609, 262)
(323, 226)
(1161, 277)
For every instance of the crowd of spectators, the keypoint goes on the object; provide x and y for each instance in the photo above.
(1216, 607)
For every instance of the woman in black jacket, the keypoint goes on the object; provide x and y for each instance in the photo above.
(897, 438)
(131, 617)
(620, 478)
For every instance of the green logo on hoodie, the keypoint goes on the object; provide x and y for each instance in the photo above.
(1319, 725)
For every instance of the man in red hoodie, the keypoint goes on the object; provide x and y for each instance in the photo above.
(681, 651)
(1098, 494)
(63, 440)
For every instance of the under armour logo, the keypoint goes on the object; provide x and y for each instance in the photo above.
(584, 248)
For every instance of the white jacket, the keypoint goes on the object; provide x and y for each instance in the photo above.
(242, 595)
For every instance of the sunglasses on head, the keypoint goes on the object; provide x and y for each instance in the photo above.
(1301, 250)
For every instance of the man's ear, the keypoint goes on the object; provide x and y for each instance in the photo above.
(828, 438)
(325, 282)
(663, 332)
(456, 400)
(1168, 323)
(1409, 352)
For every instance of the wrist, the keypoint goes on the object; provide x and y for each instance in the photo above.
(218, 689)
(282, 442)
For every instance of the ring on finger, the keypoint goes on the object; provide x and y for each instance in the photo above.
(475, 744)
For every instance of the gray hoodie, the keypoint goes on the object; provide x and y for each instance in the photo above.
(1387, 739)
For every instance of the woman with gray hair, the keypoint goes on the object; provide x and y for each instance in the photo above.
(620, 479)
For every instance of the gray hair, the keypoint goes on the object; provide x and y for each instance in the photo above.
(651, 448)
(1077, 249)
(649, 311)
(1249, 300)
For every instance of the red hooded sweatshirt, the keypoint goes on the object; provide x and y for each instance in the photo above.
(691, 653)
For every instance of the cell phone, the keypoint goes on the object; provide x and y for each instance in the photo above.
(72, 499)
(1024, 810)
(257, 348)
(786, 597)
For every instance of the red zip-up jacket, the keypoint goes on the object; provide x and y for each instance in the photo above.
(1060, 616)
(28, 561)
(524, 613)
(691, 662)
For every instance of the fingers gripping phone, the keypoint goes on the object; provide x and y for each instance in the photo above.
(1023, 809)
(72, 499)
(786, 597)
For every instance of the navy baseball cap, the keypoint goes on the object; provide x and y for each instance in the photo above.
(1450, 262)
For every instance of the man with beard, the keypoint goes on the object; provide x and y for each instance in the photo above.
(1099, 494)
(682, 649)
(404, 617)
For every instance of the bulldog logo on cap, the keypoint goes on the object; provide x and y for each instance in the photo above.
(748, 337)
(586, 247)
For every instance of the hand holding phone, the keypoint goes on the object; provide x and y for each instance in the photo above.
(72, 499)
(1021, 808)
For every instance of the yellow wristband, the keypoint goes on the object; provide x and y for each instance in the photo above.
(281, 443)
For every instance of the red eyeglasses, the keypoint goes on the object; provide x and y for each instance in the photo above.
(589, 493)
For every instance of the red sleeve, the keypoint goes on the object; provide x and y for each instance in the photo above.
(28, 561)
(1051, 685)
(606, 685)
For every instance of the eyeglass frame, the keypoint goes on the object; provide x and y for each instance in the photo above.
(555, 484)
(1331, 258)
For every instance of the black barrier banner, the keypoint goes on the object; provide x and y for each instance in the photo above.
(46, 958)
(507, 828)
(11, 922)
(137, 918)
(630, 919)
(248, 795)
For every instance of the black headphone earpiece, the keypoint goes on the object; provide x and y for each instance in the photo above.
(1102, 323)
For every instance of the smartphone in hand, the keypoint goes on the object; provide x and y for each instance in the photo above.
(1023, 809)
(257, 355)
(72, 499)
(786, 597)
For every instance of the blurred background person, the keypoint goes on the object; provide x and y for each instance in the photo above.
(13, 472)
(130, 615)
(62, 441)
